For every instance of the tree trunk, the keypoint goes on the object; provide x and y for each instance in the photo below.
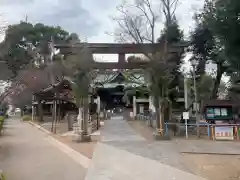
(159, 115)
(169, 111)
(162, 116)
(85, 115)
(158, 112)
(80, 118)
(217, 82)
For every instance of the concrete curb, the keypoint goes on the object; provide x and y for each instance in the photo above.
(76, 156)
(39, 127)
(211, 153)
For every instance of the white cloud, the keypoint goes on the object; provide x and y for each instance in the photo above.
(89, 18)
(185, 12)
(69, 15)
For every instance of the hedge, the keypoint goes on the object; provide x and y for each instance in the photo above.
(2, 176)
(2, 118)
(26, 118)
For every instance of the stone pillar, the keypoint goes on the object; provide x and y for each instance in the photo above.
(134, 107)
(141, 109)
(128, 101)
(151, 104)
(98, 104)
(80, 117)
(98, 111)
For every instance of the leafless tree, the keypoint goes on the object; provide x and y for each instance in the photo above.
(169, 8)
(137, 23)
(27, 82)
(22, 98)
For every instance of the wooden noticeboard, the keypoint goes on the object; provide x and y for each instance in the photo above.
(224, 133)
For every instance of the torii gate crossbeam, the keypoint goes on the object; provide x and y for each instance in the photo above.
(121, 50)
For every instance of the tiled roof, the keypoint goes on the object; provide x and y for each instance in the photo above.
(110, 78)
(219, 102)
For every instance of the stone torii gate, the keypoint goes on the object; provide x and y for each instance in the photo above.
(121, 50)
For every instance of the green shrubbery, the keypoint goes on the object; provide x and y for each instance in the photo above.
(2, 118)
(2, 176)
(26, 118)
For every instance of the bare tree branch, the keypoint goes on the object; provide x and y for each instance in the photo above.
(169, 8)
(137, 22)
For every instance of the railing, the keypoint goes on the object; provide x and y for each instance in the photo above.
(188, 129)
(200, 130)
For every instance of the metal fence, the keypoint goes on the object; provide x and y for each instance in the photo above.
(178, 129)
(190, 129)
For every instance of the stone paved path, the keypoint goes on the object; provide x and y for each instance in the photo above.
(123, 154)
(26, 153)
(117, 130)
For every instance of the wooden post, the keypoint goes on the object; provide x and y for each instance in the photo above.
(213, 133)
(55, 116)
(236, 132)
(52, 109)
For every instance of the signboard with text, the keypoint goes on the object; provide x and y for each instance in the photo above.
(224, 133)
(185, 115)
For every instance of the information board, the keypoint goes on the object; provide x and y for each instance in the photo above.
(224, 133)
(185, 115)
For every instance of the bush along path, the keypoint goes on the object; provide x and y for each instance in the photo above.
(2, 118)
(26, 118)
(2, 177)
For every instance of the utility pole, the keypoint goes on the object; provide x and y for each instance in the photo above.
(195, 105)
(185, 93)
(49, 59)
